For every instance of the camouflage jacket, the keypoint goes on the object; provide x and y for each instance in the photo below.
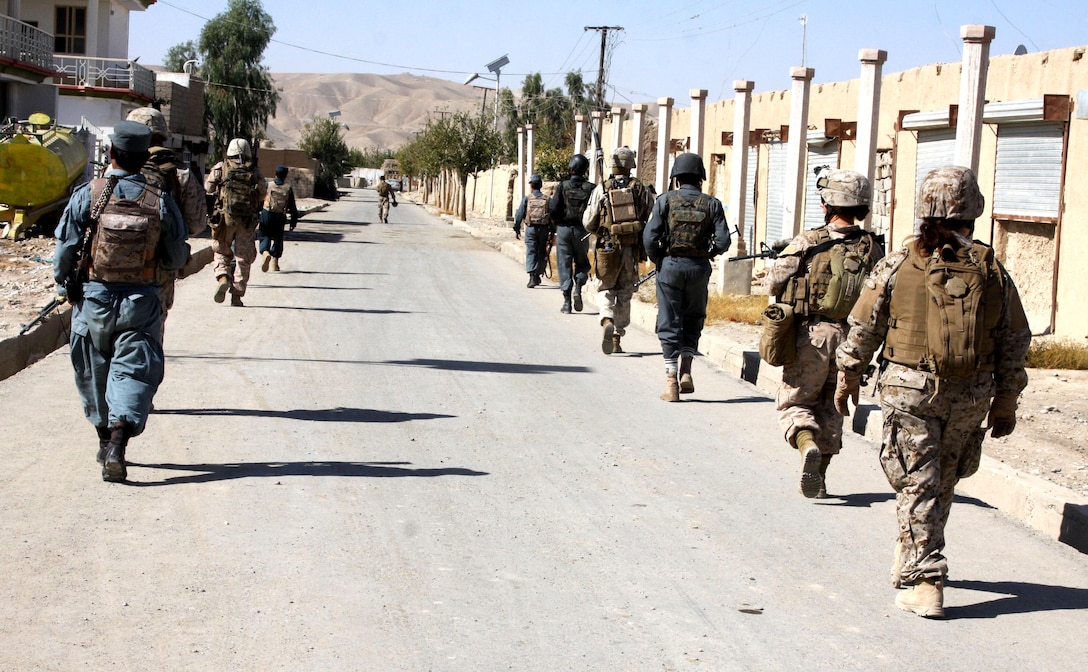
(789, 261)
(869, 327)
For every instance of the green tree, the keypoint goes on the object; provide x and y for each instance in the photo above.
(323, 140)
(241, 95)
(179, 54)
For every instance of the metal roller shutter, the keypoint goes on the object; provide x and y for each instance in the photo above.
(825, 155)
(776, 175)
(1028, 176)
(936, 148)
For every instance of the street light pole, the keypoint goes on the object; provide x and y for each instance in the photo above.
(495, 67)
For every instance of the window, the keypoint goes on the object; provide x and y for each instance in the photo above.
(70, 30)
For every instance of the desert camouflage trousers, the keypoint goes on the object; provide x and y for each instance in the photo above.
(806, 398)
(615, 302)
(932, 437)
(237, 243)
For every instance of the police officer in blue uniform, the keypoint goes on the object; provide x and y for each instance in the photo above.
(571, 240)
(116, 338)
(687, 229)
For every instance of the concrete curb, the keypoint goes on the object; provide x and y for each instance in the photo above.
(1051, 509)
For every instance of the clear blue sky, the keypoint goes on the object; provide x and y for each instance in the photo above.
(665, 49)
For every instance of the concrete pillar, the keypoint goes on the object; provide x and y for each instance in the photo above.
(530, 152)
(638, 112)
(698, 121)
(664, 138)
(872, 63)
(522, 176)
(618, 114)
(92, 29)
(796, 150)
(579, 133)
(595, 140)
(976, 63)
(736, 277)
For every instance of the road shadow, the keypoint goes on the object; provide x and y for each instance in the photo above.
(1017, 597)
(485, 367)
(339, 414)
(737, 400)
(315, 237)
(327, 273)
(867, 499)
(205, 473)
(362, 311)
(334, 289)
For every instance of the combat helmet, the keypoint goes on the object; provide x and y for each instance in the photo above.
(153, 119)
(843, 188)
(579, 164)
(688, 164)
(239, 149)
(950, 192)
(623, 159)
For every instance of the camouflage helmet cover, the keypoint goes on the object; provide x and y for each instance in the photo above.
(239, 147)
(153, 119)
(623, 158)
(688, 164)
(843, 188)
(950, 192)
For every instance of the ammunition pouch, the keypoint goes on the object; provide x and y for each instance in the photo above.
(607, 263)
(778, 339)
(625, 228)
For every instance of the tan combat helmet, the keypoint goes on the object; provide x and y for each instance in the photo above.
(950, 192)
(843, 188)
(623, 160)
(239, 149)
(153, 119)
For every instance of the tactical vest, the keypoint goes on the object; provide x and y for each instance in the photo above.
(575, 198)
(126, 238)
(276, 199)
(536, 209)
(944, 311)
(836, 274)
(383, 189)
(689, 225)
(620, 216)
(238, 193)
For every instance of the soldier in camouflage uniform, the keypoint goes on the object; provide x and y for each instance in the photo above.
(937, 384)
(166, 171)
(806, 275)
(617, 212)
(234, 239)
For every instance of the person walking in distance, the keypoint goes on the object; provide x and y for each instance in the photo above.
(164, 170)
(820, 274)
(954, 338)
(617, 212)
(239, 188)
(385, 195)
(114, 236)
(533, 214)
(279, 204)
(566, 208)
(687, 229)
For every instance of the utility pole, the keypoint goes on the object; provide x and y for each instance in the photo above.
(599, 103)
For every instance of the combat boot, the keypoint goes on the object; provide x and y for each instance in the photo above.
(687, 386)
(275, 264)
(810, 463)
(578, 296)
(113, 463)
(266, 261)
(608, 338)
(103, 439)
(221, 290)
(822, 492)
(236, 300)
(616, 349)
(566, 304)
(672, 388)
(925, 598)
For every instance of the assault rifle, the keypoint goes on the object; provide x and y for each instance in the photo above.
(765, 251)
(548, 256)
(50, 307)
(77, 275)
(644, 279)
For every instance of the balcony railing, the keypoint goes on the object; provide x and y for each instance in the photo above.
(117, 74)
(24, 43)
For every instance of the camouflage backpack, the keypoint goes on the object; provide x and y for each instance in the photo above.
(276, 200)
(238, 193)
(575, 199)
(126, 238)
(689, 225)
(536, 209)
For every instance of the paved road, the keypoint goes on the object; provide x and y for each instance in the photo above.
(391, 460)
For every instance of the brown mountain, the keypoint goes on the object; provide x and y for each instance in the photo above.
(379, 111)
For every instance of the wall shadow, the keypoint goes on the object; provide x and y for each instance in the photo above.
(206, 473)
(339, 414)
(1017, 598)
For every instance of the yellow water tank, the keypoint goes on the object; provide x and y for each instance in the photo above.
(39, 161)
